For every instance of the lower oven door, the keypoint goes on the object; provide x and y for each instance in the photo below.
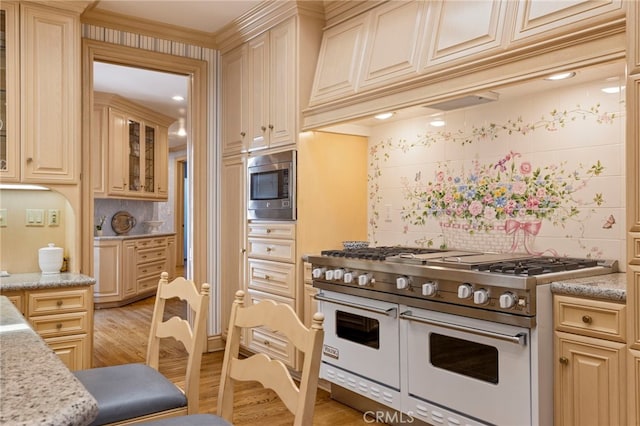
(477, 369)
(361, 337)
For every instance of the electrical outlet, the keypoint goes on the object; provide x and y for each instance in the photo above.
(53, 216)
(35, 217)
(3, 218)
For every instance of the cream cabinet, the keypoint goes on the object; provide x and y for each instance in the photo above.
(310, 303)
(41, 75)
(129, 269)
(63, 317)
(590, 362)
(272, 275)
(233, 231)
(135, 141)
(235, 105)
(272, 96)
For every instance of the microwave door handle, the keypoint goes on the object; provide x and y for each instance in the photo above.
(388, 312)
(520, 338)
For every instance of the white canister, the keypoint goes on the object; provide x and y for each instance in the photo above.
(50, 259)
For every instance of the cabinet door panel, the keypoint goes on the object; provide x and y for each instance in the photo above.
(454, 38)
(590, 381)
(339, 60)
(259, 92)
(235, 100)
(72, 350)
(540, 16)
(10, 131)
(118, 151)
(283, 106)
(106, 269)
(50, 83)
(397, 36)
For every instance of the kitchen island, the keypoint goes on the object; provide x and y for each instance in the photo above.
(36, 386)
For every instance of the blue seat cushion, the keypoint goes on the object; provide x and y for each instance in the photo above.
(190, 420)
(129, 390)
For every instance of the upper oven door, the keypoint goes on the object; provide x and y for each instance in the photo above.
(361, 336)
(478, 368)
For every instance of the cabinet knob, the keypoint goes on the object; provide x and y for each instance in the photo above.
(268, 231)
(243, 134)
(264, 129)
(59, 303)
(564, 360)
(267, 343)
(59, 326)
(587, 319)
(269, 249)
(267, 277)
(29, 159)
(270, 126)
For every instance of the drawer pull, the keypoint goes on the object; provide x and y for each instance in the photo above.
(267, 343)
(59, 325)
(144, 270)
(267, 277)
(564, 360)
(59, 303)
(268, 231)
(269, 249)
(587, 319)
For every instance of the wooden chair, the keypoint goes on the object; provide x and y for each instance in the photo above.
(270, 373)
(134, 393)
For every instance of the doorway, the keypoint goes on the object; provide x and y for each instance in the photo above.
(196, 148)
(181, 207)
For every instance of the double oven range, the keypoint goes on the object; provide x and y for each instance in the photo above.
(443, 337)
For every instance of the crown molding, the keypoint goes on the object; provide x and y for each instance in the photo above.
(117, 21)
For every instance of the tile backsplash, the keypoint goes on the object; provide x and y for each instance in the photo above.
(140, 210)
(542, 175)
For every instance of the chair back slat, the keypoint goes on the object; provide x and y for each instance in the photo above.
(179, 329)
(272, 374)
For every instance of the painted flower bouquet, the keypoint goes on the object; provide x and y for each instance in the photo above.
(508, 189)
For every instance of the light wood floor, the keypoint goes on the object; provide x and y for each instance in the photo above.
(121, 337)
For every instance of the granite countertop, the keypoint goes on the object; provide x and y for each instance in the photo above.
(129, 237)
(36, 386)
(38, 281)
(611, 287)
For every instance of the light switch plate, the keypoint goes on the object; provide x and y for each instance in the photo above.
(34, 217)
(3, 218)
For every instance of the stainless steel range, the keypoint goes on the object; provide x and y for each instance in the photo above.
(445, 337)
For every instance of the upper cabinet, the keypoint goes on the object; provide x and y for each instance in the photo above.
(136, 141)
(41, 87)
(266, 81)
(400, 54)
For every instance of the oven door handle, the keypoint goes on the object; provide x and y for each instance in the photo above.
(520, 338)
(391, 312)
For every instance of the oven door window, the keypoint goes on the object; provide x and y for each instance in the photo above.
(460, 356)
(358, 329)
(270, 185)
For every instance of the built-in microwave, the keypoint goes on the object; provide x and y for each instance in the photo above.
(271, 186)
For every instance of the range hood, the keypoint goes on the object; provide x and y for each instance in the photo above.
(464, 102)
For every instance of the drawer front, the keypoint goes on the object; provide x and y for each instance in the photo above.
(57, 302)
(272, 230)
(280, 250)
(593, 318)
(61, 324)
(151, 242)
(272, 277)
(17, 298)
(148, 284)
(151, 255)
(272, 343)
(152, 269)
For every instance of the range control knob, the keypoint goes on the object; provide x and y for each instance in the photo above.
(318, 272)
(465, 291)
(348, 277)
(402, 283)
(429, 288)
(508, 300)
(328, 275)
(338, 274)
(480, 297)
(364, 279)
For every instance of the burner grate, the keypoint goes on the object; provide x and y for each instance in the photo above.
(377, 253)
(538, 266)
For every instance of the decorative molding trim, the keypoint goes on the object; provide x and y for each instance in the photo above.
(337, 11)
(147, 27)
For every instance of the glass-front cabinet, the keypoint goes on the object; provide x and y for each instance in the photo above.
(137, 144)
(9, 86)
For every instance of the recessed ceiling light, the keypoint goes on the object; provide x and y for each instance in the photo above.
(178, 98)
(437, 123)
(384, 115)
(561, 76)
(612, 89)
